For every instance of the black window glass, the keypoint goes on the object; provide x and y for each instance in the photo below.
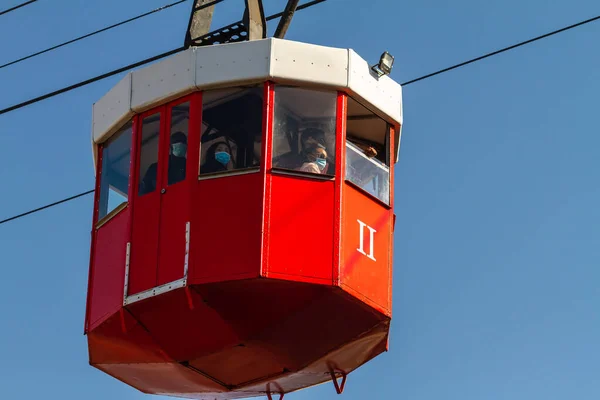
(180, 117)
(149, 154)
(231, 130)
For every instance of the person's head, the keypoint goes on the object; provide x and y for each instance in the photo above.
(316, 154)
(313, 136)
(178, 144)
(219, 152)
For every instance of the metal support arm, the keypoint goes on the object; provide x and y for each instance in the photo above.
(286, 18)
(254, 19)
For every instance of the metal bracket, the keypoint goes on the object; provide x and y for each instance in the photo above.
(339, 387)
(127, 258)
(167, 287)
(269, 395)
(187, 250)
(254, 19)
(200, 20)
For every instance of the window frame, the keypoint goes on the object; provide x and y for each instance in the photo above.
(237, 171)
(100, 221)
(335, 117)
(388, 151)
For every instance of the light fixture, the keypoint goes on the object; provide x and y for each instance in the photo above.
(384, 67)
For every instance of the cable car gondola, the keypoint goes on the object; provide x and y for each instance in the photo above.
(243, 220)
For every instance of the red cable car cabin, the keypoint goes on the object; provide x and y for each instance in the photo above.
(243, 220)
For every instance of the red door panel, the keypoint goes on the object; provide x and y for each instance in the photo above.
(173, 219)
(174, 212)
(144, 247)
(146, 211)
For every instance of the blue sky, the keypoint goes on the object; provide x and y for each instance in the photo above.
(497, 255)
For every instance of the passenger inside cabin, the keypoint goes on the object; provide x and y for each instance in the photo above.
(314, 159)
(177, 157)
(218, 159)
(177, 160)
(311, 138)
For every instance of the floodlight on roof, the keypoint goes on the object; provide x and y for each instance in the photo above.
(384, 67)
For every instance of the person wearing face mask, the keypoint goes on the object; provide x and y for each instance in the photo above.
(177, 157)
(314, 159)
(310, 137)
(177, 160)
(218, 159)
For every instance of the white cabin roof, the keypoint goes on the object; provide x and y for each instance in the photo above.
(233, 64)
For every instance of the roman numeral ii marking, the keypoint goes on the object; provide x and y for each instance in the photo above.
(362, 240)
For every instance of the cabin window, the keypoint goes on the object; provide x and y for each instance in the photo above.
(148, 172)
(114, 181)
(304, 130)
(367, 153)
(231, 133)
(180, 117)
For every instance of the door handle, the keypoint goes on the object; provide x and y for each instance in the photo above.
(163, 191)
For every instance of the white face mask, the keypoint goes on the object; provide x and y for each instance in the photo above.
(179, 149)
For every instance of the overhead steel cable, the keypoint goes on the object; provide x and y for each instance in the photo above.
(116, 71)
(17, 7)
(56, 203)
(493, 53)
(159, 9)
(91, 80)
(406, 83)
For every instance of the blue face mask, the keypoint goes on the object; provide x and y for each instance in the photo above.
(222, 157)
(321, 163)
(179, 149)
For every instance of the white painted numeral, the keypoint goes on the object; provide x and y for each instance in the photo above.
(362, 240)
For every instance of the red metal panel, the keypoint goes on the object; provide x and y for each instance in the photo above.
(93, 238)
(344, 359)
(301, 229)
(330, 320)
(227, 221)
(109, 268)
(184, 333)
(365, 271)
(121, 339)
(163, 379)
(250, 306)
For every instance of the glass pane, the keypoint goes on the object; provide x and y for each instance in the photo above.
(180, 117)
(149, 154)
(231, 129)
(369, 174)
(114, 181)
(367, 131)
(366, 151)
(304, 130)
